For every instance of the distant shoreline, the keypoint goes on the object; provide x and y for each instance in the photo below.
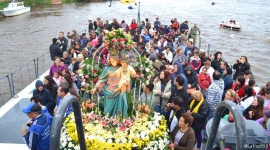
(47, 2)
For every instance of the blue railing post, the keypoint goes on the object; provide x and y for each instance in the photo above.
(58, 122)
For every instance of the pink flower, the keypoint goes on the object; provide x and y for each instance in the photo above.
(86, 76)
(104, 123)
(87, 85)
(142, 68)
(122, 128)
(83, 80)
(115, 121)
(92, 116)
(82, 77)
(142, 75)
(128, 122)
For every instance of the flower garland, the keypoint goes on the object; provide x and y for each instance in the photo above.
(89, 72)
(144, 70)
(118, 40)
(143, 131)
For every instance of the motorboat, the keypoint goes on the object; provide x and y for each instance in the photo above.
(231, 25)
(15, 8)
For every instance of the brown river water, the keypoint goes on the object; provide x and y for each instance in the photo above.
(29, 35)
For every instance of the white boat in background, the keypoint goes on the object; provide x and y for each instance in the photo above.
(14, 8)
(231, 25)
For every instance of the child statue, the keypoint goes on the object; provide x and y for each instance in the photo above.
(125, 72)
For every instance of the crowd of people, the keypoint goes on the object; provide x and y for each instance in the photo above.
(186, 88)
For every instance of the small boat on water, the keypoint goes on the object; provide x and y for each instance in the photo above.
(231, 25)
(14, 8)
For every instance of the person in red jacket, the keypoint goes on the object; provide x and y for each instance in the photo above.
(239, 86)
(133, 25)
(204, 81)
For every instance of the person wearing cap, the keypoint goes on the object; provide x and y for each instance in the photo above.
(90, 25)
(184, 26)
(37, 136)
(45, 95)
(55, 49)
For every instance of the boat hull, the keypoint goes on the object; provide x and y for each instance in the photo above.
(15, 12)
(230, 26)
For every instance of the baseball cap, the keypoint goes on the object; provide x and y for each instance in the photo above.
(32, 107)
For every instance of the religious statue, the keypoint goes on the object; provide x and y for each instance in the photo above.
(116, 105)
(125, 72)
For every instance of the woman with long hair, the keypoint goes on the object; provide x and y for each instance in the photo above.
(255, 110)
(51, 86)
(239, 86)
(216, 61)
(240, 66)
(162, 91)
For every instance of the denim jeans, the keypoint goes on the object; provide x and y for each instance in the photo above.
(157, 108)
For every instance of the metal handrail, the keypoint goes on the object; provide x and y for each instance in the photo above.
(3, 96)
(21, 75)
(239, 125)
(58, 120)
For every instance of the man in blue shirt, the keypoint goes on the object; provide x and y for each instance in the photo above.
(37, 136)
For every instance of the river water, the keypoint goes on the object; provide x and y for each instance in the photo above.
(27, 36)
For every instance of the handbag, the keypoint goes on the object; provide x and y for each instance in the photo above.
(190, 90)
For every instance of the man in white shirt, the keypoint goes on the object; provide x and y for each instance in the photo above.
(168, 54)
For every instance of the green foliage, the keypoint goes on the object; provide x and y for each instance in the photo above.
(3, 5)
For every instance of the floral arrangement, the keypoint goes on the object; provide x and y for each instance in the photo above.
(118, 40)
(142, 131)
(144, 70)
(89, 72)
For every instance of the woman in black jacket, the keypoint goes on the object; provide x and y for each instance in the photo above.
(199, 109)
(216, 61)
(51, 86)
(240, 66)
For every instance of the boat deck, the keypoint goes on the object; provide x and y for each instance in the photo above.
(12, 119)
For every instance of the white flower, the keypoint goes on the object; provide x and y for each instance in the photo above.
(147, 69)
(142, 134)
(109, 141)
(83, 83)
(117, 140)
